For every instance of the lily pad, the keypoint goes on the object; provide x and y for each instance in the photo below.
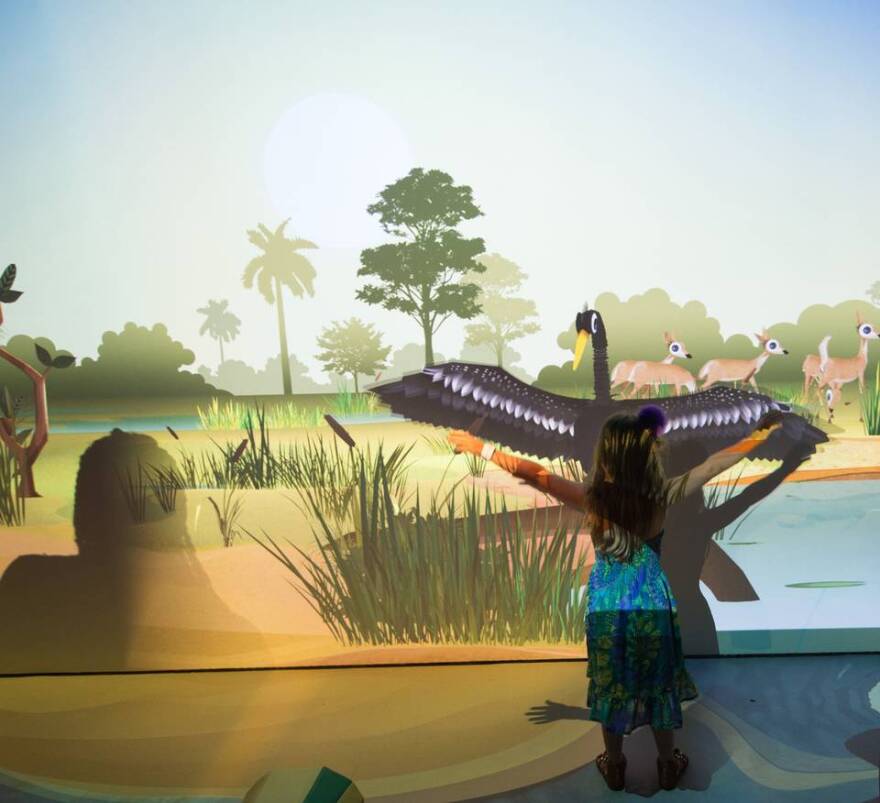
(827, 584)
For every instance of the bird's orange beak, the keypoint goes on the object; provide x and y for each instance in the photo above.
(579, 346)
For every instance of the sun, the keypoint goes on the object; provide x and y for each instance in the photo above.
(325, 160)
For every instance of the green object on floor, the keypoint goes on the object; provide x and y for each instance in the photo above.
(304, 785)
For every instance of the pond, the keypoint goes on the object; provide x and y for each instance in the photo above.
(810, 552)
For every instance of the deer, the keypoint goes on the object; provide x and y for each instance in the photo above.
(727, 370)
(832, 373)
(621, 372)
(645, 373)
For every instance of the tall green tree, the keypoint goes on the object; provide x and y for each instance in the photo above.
(504, 318)
(352, 347)
(219, 323)
(422, 276)
(873, 292)
(280, 265)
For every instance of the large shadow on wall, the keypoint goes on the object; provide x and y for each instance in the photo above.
(134, 597)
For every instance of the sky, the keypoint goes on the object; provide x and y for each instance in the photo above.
(726, 152)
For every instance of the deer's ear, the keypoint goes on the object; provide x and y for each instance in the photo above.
(859, 318)
(667, 338)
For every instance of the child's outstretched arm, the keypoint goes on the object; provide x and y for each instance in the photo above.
(566, 491)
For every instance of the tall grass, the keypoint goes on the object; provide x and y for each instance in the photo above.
(870, 404)
(287, 414)
(425, 576)
(802, 403)
(12, 511)
(716, 495)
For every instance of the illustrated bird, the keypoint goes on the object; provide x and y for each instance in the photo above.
(544, 424)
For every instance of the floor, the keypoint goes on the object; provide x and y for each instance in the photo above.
(804, 728)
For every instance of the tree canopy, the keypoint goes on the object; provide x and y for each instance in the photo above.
(352, 347)
(504, 318)
(423, 276)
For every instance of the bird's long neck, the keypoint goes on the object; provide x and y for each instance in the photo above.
(601, 381)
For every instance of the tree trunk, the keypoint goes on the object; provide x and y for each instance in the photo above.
(429, 342)
(499, 352)
(26, 457)
(356, 389)
(282, 336)
(220, 340)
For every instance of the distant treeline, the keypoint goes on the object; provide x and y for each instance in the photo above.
(635, 330)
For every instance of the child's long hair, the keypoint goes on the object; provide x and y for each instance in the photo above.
(627, 502)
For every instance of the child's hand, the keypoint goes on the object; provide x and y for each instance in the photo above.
(465, 442)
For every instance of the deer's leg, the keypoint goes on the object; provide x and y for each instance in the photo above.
(752, 382)
(708, 382)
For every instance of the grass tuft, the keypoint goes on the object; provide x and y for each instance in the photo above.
(427, 575)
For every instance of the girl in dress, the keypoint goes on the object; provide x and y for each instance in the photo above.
(636, 667)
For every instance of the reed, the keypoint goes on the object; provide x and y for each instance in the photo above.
(716, 495)
(432, 576)
(227, 513)
(12, 506)
(870, 404)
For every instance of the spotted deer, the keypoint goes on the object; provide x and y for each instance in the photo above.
(728, 370)
(644, 373)
(621, 372)
(832, 373)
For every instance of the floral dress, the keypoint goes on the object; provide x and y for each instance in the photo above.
(636, 667)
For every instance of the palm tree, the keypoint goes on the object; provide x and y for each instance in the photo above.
(873, 292)
(278, 265)
(219, 323)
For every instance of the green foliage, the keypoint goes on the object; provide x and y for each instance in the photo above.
(504, 318)
(12, 506)
(278, 266)
(136, 362)
(219, 322)
(227, 513)
(352, 347)
(7, 294)
(427, 576)
(423, 277)
(286, 414)
(870, 404)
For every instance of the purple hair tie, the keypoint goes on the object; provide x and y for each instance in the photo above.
(653, 418)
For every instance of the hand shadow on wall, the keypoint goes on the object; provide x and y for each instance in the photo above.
(93, 611)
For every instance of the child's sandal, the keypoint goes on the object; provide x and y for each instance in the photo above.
(669, 772)
(614, 774)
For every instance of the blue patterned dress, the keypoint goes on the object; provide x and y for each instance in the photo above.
(635, 663)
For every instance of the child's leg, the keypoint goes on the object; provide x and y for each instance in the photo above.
(613, 744)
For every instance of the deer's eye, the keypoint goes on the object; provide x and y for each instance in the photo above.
(829, 395)
(866, 329)
(674, 347)
(773, 345)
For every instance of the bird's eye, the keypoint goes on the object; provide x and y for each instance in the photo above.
(674, 347)
(866, 329)
(594, 323)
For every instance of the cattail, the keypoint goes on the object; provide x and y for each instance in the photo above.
(173, 433)
(239, 451)
(340, 430)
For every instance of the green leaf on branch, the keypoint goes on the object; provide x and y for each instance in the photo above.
(8, 277)
(63, 361)
(8, 296)
(43, 355)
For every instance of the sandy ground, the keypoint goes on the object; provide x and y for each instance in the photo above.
(211, 606)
